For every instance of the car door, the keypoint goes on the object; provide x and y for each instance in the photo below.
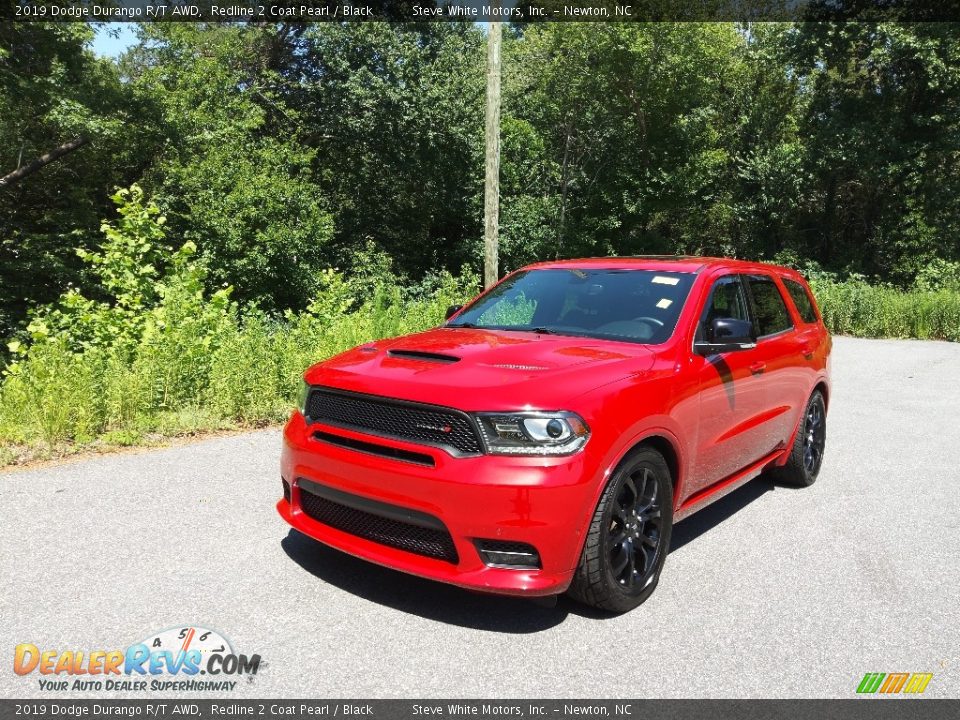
(781, 366)
(731, 394)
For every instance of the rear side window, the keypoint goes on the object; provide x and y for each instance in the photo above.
(802, 300)
(768, 306)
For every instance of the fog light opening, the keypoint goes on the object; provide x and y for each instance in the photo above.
(286, 490)
(508, 555)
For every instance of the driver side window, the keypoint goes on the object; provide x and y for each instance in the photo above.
(727, 300)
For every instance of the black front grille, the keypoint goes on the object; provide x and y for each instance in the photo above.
(434, 542)
(375, 449)
(417, 423)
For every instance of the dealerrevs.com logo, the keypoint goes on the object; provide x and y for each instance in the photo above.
(177, 659)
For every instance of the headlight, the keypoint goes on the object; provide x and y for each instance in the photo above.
(302, 397)
(551, 433)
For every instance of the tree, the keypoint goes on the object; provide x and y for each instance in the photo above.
(235, 176)
(395, 114)
(39, 163)
(56, 97)
(880, 124)
(637, 149)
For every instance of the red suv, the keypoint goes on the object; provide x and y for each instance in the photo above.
(546, 438)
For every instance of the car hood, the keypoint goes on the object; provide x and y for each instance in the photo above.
(474, 369)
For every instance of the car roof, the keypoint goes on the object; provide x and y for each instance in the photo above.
(663, 263)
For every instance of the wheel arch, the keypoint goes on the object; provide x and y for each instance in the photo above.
(663, 445)
(658, 438)
(824, 390)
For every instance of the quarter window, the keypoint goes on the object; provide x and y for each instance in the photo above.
(801, 300)
(768, 307)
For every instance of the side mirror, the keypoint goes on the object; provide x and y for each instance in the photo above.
(726, 335)
(453, 310)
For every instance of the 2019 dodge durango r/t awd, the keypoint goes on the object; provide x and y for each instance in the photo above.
(549, 434)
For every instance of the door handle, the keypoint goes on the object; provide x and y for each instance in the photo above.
(807, 351)
(758, 367)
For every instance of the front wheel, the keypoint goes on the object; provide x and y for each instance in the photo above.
(629, 535)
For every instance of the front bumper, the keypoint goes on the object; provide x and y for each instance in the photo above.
(542, 501)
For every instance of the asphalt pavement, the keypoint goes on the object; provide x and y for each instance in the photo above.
(771, 592)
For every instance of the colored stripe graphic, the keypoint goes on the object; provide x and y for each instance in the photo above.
(894, 682)
(918, 682)
(870, 682)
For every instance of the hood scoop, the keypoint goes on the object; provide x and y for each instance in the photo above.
(423, 356)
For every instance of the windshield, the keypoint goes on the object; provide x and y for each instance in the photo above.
(631, 305)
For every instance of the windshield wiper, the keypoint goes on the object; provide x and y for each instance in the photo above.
(538, 329)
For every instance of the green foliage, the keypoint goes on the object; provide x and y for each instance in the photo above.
(939, 274)
(280, 149)
(637, 150)
(246, 198)
(856, 308)
(52, 396)
(173, 358)
(52, 90)
(395, 112)
(127, 268)
(123, 438)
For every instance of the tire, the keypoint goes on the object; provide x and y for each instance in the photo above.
(632, 524)
(806, 456)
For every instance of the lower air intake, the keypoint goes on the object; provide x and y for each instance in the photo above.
(434, 542)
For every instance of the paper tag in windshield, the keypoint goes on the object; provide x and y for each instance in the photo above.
(664, 303)
(665, 280)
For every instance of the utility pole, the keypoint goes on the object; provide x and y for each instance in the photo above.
(491, 188)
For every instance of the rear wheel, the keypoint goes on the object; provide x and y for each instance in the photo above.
(806, 456)
(629, 535)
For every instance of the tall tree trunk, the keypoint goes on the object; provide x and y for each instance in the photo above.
(32, 167)
(564, 185)
(491, 190)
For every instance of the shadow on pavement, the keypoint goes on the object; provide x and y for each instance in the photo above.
(495, 613)
(426, 598)
(704, 520)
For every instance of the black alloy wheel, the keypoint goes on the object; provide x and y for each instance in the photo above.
(629, 535)
(806, 456)
(633, 537)
(814, 436)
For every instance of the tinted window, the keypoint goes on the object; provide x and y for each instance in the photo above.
(727, 300)
(768, 306)
(634, 305)
(801, 300)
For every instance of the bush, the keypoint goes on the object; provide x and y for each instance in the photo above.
(857, 308)
(53, 396)
(161, 357)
